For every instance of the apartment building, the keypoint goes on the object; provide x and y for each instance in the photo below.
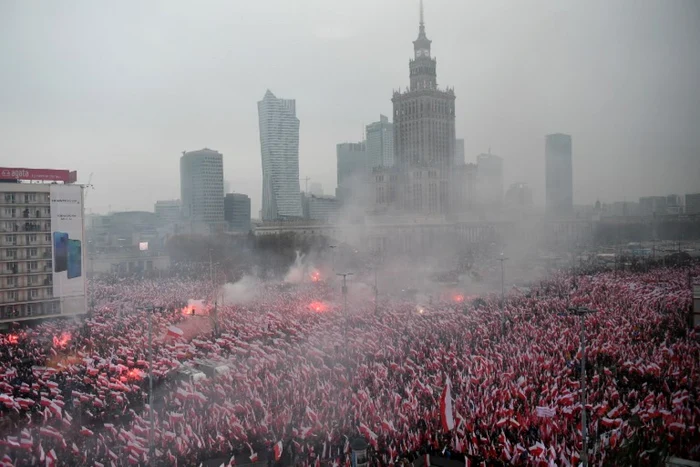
(41, 260)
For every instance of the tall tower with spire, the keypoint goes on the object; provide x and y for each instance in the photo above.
(424, 134)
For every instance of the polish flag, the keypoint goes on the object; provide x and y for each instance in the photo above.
(51, 458)
(278, 451)
(253, 454)
(174, 331)
(448, 421)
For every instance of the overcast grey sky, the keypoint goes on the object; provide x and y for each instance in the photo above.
(121, 88)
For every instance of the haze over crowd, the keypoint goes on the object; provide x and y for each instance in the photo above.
(121, 89)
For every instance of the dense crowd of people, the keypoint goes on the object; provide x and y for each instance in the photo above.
(297, 378)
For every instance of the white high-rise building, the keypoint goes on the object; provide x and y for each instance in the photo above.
(279, 148)
(202, 188)
(380, 143)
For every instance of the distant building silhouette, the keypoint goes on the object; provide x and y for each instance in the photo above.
(168, 210)
(424, 140)
(237, 211)
(380, 143)
(489, 168)
(279, 148)
(202, 188)
(692, 203)
(653, 206)
(519, 195)
(559, 188)
(460, 158)
(353, 171)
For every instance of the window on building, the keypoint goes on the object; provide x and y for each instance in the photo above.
(11, 281)
(33, 265)
(32, 238)
(33, 252)
(12, 295)
(33, 280)
(34, 293)
(10, 253)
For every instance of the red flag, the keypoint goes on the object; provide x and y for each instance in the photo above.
(448, 421)
(278, 451)
(253, 454)
(174, 331)
(51, 458)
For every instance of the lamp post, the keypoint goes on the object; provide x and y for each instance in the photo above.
(151, 435)
(345, 275)
(582, 312)
(503, 259)
(333, 247)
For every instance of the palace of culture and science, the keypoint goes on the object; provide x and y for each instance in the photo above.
(424, 179)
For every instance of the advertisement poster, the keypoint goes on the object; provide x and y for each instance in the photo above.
(67, 243)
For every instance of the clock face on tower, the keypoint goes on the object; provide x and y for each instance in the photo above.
(422, 53)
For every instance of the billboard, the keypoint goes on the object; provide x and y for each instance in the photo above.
(67, 245)
(45, 175)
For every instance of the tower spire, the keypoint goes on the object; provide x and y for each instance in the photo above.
(421, 13)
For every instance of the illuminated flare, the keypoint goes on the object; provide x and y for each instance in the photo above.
(61, 341)
(318, 307)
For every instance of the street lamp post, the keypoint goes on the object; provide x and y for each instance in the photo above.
(332, 247)
(151, 435)
(582, 312)
(345, 275)
(376, 292)
(502, 259)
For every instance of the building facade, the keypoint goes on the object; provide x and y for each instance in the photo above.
(519, 195)
(202, 188)
(463, 188)
(489, 180)
(380, 143)
(279, 149)
(320, 208)
(692, 203)
(653, 206)
(42, 266)
(237, 212)
(168, 210)
(352, 171)
(460, 158)
(424, 135)
(559, 187)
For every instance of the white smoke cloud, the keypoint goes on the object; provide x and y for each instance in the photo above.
(245, 290)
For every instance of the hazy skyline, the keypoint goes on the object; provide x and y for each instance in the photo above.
(122, 89)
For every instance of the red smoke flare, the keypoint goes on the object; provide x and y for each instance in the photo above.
(61, 341)
(318, 307)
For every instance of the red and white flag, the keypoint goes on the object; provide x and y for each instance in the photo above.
(174, 331)
(51, 458)
(546, 412)
(448, 420)
(253, 454)
(278, 451)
